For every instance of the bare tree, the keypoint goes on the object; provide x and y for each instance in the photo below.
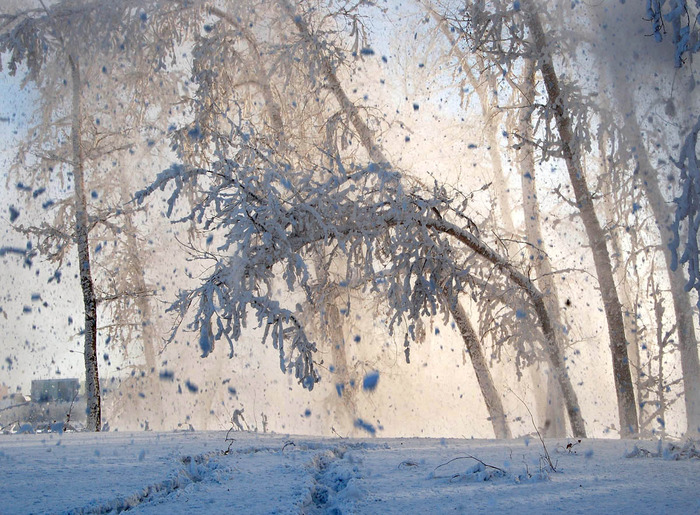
(554, 424)
(584, 202)
(70, 51)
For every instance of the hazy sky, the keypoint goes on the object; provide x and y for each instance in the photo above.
(36, 339)
(39, 342)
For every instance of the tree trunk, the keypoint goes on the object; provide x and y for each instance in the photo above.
(136, 282)
(624, 388)
(683, 307)
(551, 346)
(555, 425)
(92, 381)
(147, 401)
(491, 396)
(548, 399)
(336, 339)
(663, 215)
(628, 298)
(628, 301)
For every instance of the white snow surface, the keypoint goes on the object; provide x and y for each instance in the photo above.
(189, 472)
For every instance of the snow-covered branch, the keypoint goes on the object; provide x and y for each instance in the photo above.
(687, 220)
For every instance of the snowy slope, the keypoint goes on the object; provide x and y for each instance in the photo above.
(189, 473)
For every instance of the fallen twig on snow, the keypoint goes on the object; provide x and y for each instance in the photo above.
(467, 457)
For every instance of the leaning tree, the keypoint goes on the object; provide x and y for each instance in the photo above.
(273, 207)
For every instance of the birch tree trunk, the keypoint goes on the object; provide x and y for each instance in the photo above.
(682, 305)
(149, 404)
(137, 282)
(624, 388)
(92, 380)
(483, 375)
(336, 338)
(555, 425)
(548, 400)
(628, 299)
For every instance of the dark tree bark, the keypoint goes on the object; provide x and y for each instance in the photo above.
(92, 379)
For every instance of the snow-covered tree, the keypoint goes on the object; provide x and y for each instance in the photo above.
(683, 20)
(571, 151)
(272, 205)
(687, 221)
(474, 75)
(506, 34)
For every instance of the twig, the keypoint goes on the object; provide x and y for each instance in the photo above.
(230, 440)
(10, 424)
(338, 434)
(557, 190)
(70, 410)
(15, 406)
(570, 446)
(548, 459)
(467, 457)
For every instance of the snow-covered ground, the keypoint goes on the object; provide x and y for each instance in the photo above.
(192, 473)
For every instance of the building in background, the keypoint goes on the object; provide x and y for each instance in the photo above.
(56, 390)
(54, 405)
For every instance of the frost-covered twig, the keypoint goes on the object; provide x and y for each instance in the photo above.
(229, 440)
(569, 448)
(678, 15)
(671, 451)
(338, 434)
(467, 457)
(70, 410)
